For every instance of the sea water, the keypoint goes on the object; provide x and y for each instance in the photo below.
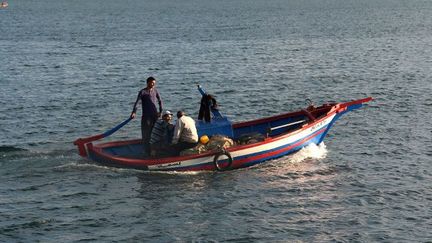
(71, 69)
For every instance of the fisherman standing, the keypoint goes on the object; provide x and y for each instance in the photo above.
(149, 98)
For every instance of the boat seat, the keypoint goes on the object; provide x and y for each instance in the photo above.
(309, 115)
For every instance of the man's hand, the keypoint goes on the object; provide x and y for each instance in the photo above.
(133, 115)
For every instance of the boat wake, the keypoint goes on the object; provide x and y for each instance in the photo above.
(9, 149)
(312, 151)
(78, 166)
(308, 153)
(301, 166)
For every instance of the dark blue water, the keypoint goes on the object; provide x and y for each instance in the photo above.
(70, 69)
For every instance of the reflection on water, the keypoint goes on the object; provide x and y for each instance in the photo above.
(289, 192)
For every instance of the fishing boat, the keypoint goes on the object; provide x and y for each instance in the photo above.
(281, 135)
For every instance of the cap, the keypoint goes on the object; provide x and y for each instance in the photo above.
(167, 113)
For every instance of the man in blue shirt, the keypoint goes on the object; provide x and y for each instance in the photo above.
(149, 98)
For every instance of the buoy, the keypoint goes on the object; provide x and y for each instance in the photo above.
(204, 139)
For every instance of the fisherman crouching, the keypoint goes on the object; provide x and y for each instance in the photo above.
(185, 134)
(161, 135)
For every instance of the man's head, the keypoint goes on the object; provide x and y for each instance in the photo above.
(167, 116)
(151, 82)
(180, 114)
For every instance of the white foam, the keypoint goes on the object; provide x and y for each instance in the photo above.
(87, 166)
(94, 166)
(312, 151)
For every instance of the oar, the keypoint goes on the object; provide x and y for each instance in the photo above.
(80, 142)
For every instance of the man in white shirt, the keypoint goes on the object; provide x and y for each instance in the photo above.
(185, 133)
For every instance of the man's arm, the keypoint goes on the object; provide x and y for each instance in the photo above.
(133, 114)
(159, 101)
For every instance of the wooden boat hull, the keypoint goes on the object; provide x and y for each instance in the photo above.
(318, 122)
(242, 156)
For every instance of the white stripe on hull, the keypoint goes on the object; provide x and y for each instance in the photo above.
(248, 151)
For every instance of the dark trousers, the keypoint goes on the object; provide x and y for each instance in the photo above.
(147, 124)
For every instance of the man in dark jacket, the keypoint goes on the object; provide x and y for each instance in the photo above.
(149, 98)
